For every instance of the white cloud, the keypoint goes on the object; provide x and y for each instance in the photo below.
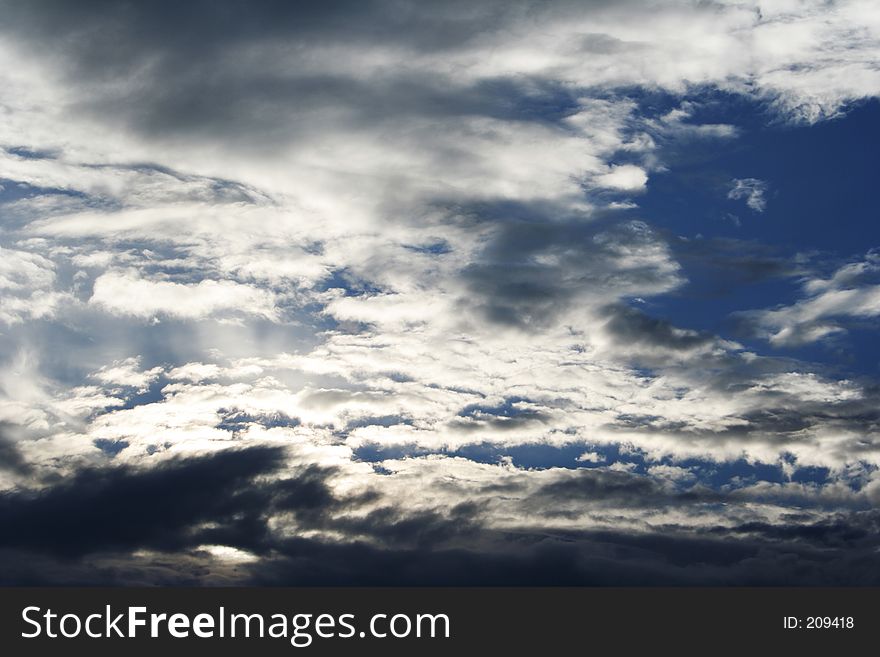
(751, 190)
(848, 293)
(27, 283)
(625, 177)
(128, 373)
(195, 372)
(126, 293)
(672, 473)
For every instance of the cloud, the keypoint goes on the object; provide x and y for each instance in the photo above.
(591, 457)
(195, 372)
(848, 294)
(27, 281)
(11, 458)
(119, 508)
(362, 292)
(128, 373)
(624, 177)
(631, 327)
(750, 189)
(533, 273)
(372, 539)
(724, 264)
(126, 293)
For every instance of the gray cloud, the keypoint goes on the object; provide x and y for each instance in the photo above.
(11, 458)
(530, 272)
(90, 522)
(630, 326)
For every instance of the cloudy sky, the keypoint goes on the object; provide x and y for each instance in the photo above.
(386, 292)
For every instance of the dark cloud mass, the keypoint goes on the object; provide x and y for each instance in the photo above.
(117, 508)
(630, 326)
(531, 272)
(393, 292)
(86, 526)
(11, 458)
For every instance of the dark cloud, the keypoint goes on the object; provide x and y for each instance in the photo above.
(533, 270)
(11, 458)
(259, 109)
(123, 508)
(308, 495)
(568, 495)
(83, 530)
(860, 529)
(184, 503)
(236, 420)
(180, 82)
(719, 556)
(121, 32)
(202, 27)
(630, 326)
(797, 554)
(717, 266)
(395, 528)
(484, 421)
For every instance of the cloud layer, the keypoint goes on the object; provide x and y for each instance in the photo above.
(292, 286)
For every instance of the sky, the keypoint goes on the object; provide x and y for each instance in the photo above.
(461, 293)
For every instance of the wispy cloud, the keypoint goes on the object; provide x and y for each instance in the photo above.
(851, 292)
(751, 190)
